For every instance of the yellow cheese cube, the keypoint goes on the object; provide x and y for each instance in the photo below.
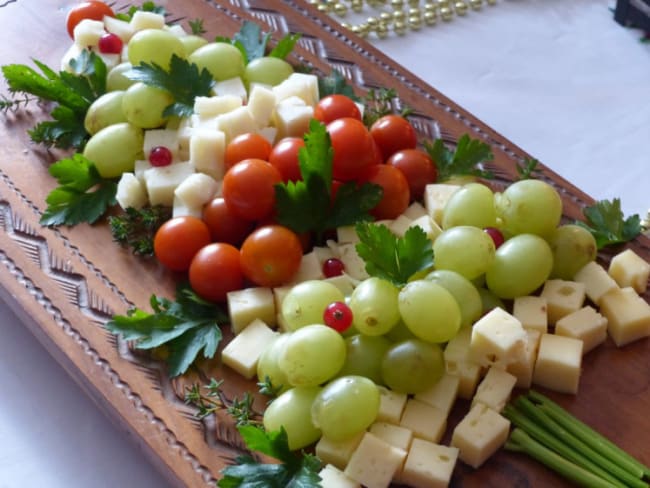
(558, 363)
(196, 190)
(415, 211)
(469, 374)
(391, 405)
(147, 20)
(531, 312)
(523, 369)
(236, 122)
(207, 150)
(436, 196)
(243, 352)
(562, 298)
(395, 435)
(130, 192)
(495, 389)
(261, 105)
(161, 182)
(587, 325)
(160, 137)
(207, 107)
(628, 315)
(244, 306)
(310, 269)
(497, 339)
(292, 120)
(231, 87)
(443, 394)
(457, 349)
(596, 280)
(337, 453)
(481, 432)
(429, 465)
(426, 421)
(87, 33)
(375, 462)
(629, 269)
(331, 477)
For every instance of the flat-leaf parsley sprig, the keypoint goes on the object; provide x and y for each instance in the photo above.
(464, 160)
(253, 43)
(608, 225)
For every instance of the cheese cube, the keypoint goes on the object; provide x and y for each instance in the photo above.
(436, 196)
(429, 465)
(147, 20)
(523, 369)
(310, 269)
(481, 432)
(206, 107)
(243, 352)
(400, 225)
(415, 211)
(562, 298)
(303, 86)
(180, 208)
(87, 33)
(430, 228)
(343, 283)
(426, 421)
(469, 374)
(375, 462)
(354, 265)
(139, 168)
(292, 120)
(71, 53)
(176, 29)
(628, 315)
(323, 253)
(331, 477)
(207, 150)
(162, 181)
(395, 435)
(269, 133)
(629, 269)
(558, 363)
(497, 339)
(457, 349)
(130, 192)
(443, 394)
(495, 389)
(261, 104)
(244, 306)
(586, 324)
(196, 190)
(347, 234)
(391, 405)
(236, 122)
(122, 29)
(596, 280)
(337, 453)
(160, 137)
(233, 87)
(531, 312)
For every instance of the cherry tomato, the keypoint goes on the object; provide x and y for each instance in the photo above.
(178, 240)
(223, 225)
(93, 10)
(271, 255)
(353, 148)
(248, 189)
(284, 156)
(247, 146)
(334, 107)
(418, 167)
(216, 270)
(396, 197)
(392, 133)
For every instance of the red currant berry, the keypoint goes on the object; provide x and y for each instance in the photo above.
(496, 235)
(338, 316)
(110, 44)
(333, 267)
(160, 156)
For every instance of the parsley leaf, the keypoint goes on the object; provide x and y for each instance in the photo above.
(136, 228)
(295, 470)
(393, 258)
(333, 84)
(73, 201)
(252, 40)
(188, 326)
(182, 80)
(284, 46)
(608, 225)
(463, 161)
(528, 168)
(196, 26)
(146, 7)
(306, 205)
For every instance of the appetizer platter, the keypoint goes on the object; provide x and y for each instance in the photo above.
(76, 289)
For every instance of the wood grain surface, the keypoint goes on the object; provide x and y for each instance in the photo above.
(64, 283)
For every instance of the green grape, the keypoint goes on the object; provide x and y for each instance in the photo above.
(364, 355)
(312, 355)
(412, 366)
(521, 265)
(115, 80)
(374, 306)
(529, 207)
(267, 70)
(105, 111)
(429, 311)
(573, 247)
(400, 333)
(464, 249)
(191, 43)
(223, 61)
(143, 105)
(473, 204)
(489, 300)
(154, 46)
(292, 410)
(345, 407)
(306, 302)
(267, 365)
(466, 295)
(114, 149)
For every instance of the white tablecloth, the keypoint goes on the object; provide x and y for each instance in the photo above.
(560, 79)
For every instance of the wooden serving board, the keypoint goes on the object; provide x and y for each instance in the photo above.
(64, 283)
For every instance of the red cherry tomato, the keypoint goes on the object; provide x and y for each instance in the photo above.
(223, 225)
(392, 133)
(216, 270)
(249, 189)
(418, 168)
(333, 107)
(271, 255)
(178, 240)
(246, 146)
(396, 196)
(353, 148)
(284, 156)
(92, 10)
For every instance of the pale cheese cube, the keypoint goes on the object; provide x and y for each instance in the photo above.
(292, 120)
(206, 107)
(430, 228)
(562, 298)
(426, 421)
(337, 453)
(354, 265)
(469, 374)
(531, 311)
(443, 394)
(629, 269)
(181, 208)
(323, 253)
(160, 137)
(400, 225)
(374, 462)
(140, 166)
(391, 405)
(395, 435)
(236, 122)
(244, 306)
(436, 196)
(130, 192)
(457, 349)
(628, 315)
(197, 189)
(71, 53)
(207, 150)
(310, 82)
(558, 363)
(596, 280)
(415, 211)
(176, 29)
(297, 85)
(87, 33)
(142, 20)
(207, 123)
(310, 269)
(585, 324)
(347, 234)
(110, 60)
(429, 465)
(523, 369)
(279, 292)
(495, 389)
(261, 104)
(243, 352)
(122, 29)
(498, 339)
(332, 477)
(480, 434)
(269, 133)
(231, 87)
(343, 283)
(162, 181)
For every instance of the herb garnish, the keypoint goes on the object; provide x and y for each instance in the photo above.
(379, 102)
(527, 168)
(335, 83)
(463, 161)
(608, 225)
(146, 7)
(252, 42)
(196, 27)
(136, 228)
(214, 400)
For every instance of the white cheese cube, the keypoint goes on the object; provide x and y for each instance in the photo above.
(585, 324)
(331, 477)
(343, 283)
(110, 60)
(347, 234)
(160, 138)
(596, 280)
(629, 269)
(628, 315)
(231, 87)
(354, 265)
(176, 29)
(436, 196)
(261, 104)
(469, 374)
(480, 434)
(498, 339)
(206, 107)
(122, 29)
(310, 269)
(196, 190)
(236, 122)
(140, 166)
(269, 133)
(374, 462)
(523, 369)
(337, 453)
(207, 150)
(87, 33)
(243, 352)
(400, 225)
(323, 253)
(142, 20)
(391, 405)
(562, 298)
(292, 120)
(531, 312)
(130, 192)
(415, 211)
(298, 85)
(558, 363)
(310, 82)
(395, 435)
(495, 389)
(181, 208)
(244, 306)
(429, 465)
(457, 349)
(443, 394)
(430, 228)
(162, 181)
(426, 421)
